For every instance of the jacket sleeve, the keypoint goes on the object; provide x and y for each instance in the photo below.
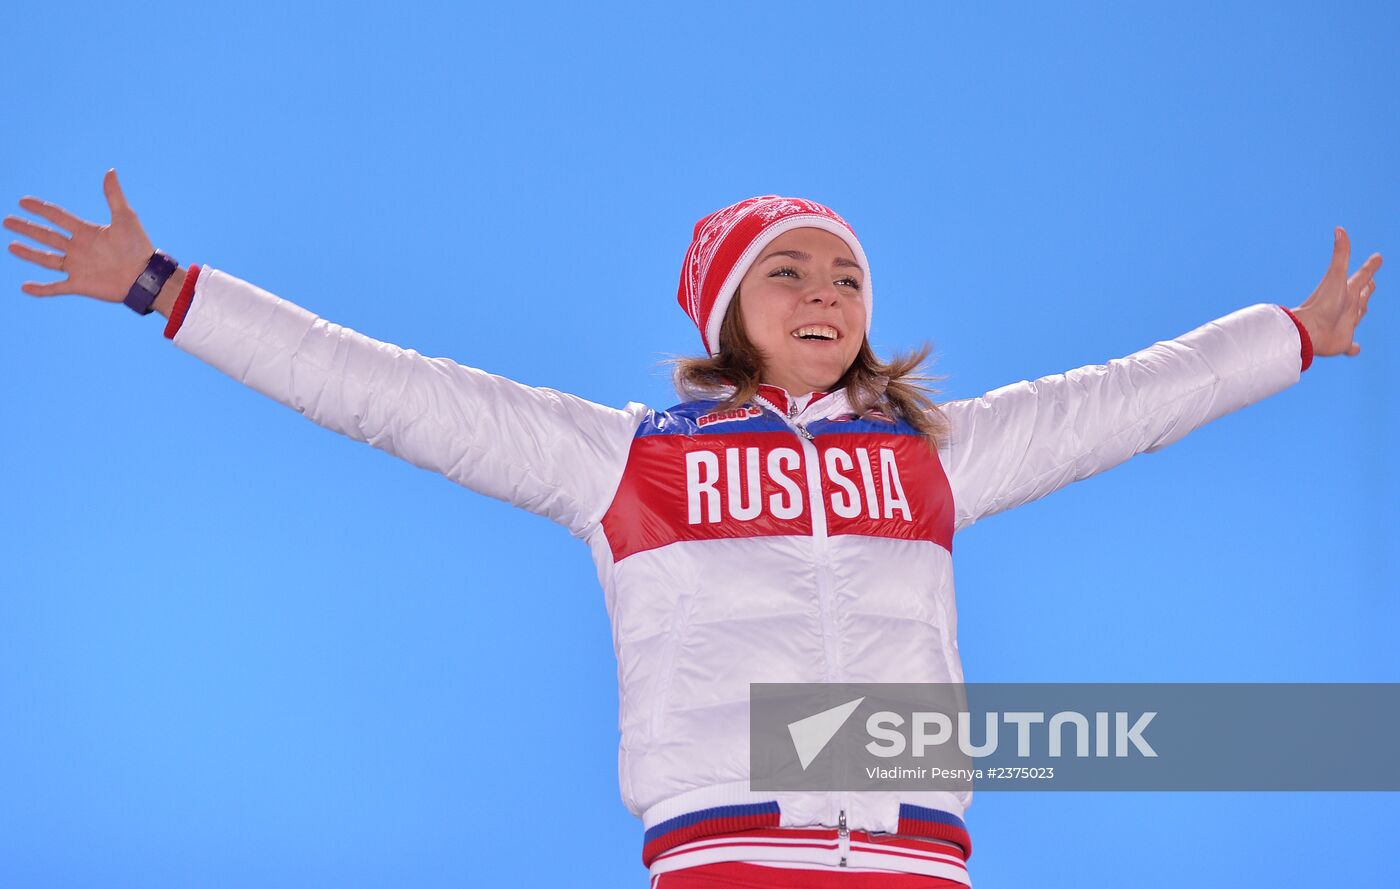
(1020, 442)
(545, 451)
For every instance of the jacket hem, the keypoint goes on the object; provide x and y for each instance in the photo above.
(732, 807)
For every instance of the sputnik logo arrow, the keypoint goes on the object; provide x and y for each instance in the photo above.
(811, 735)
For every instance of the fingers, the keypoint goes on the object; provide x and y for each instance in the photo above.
(38, 257)
(116, 201)
(47, 260)
(56, 288)
(1364, 274)
(42, 234)
(1341, 249)
(55, 214)
(1365, 300)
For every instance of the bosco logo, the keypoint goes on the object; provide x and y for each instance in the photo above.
(738, 413)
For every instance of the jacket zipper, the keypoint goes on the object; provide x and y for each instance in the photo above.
(844, 837)
(819, 536)
(800, 427)
(824, 593)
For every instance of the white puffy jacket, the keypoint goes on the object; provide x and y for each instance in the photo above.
(750, 546)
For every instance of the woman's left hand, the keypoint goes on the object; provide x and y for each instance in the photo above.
(1332, 312)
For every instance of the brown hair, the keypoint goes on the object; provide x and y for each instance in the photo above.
(877, 390)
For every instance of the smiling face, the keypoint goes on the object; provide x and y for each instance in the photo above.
(803, 306)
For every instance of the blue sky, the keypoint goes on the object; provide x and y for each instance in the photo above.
(236, 649)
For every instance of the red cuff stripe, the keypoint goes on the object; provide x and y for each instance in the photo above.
(182, 303)
(1307, 349)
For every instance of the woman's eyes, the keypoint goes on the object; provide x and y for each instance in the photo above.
(793, 273)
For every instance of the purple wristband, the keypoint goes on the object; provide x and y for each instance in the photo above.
(159, 268)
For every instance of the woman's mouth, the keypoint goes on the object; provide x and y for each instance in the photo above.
(817, 333)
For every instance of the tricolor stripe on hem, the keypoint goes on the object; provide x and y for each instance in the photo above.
(936, 824)
(816, 849)
(720, 819)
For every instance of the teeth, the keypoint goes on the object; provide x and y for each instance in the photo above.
(822, 330)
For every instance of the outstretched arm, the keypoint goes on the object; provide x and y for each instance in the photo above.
(546, 451)
(1023, 441)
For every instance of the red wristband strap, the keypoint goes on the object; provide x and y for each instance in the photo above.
(182, 303)
(1306, 353)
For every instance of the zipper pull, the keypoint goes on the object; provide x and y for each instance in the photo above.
(844, 835)
(802, 431)
(792, 408)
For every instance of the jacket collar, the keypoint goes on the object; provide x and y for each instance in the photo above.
(780, 399)
(817, 406)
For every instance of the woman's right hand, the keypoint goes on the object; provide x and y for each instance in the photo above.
(101, 261)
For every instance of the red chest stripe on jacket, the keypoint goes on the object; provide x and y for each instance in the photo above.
(754, 484)
(680, 488)
(885, 486)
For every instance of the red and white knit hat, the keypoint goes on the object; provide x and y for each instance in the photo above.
(727, 242)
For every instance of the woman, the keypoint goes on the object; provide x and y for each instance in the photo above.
(791, 522)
